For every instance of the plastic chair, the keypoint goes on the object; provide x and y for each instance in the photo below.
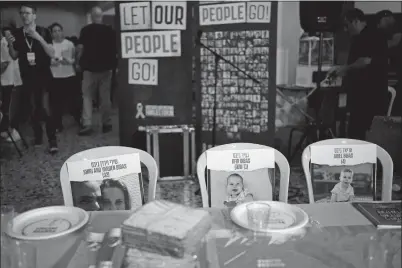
(382, 155)
(391, 103)
(280, 160)
(108, 151)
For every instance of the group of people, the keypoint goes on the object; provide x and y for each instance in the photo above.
(45, 65)
(365, 76)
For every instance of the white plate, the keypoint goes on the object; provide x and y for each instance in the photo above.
(47, 223)
(283, 217)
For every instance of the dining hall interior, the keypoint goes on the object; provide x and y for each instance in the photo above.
(189, 133)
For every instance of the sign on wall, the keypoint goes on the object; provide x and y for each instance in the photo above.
(142, 72)
(135, 16)
(250, 12)
(169, 15)
(151, 44)
(155, 70)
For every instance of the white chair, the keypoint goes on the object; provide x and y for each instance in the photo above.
(391, 103)
(280, 160)
(107, 151)
(382, 155)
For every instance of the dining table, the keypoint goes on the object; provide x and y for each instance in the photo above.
(336, 236)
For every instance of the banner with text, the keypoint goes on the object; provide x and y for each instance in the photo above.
(240, 160)
(170, 15)
(104, 168)
(135, 16)
(151, 44)
(230, 13)
(142, 72)
(343, 155)
(155, 74)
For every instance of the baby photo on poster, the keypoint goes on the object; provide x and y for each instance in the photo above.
(344, 172)
(343, 183)
(239, 176)
(229, 189)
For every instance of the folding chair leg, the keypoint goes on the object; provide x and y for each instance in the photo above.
(290, 142)
(15, 144)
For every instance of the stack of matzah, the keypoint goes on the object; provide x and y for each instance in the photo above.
(166, 228)
(142, 259)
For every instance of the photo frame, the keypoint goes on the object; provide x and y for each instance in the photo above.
(111, 183)
(344, 173)
(237, 176)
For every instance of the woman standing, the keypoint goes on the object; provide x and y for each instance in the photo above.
(10, 81)
(62, 91)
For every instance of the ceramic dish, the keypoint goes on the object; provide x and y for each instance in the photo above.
(47, 223)
(283, 217)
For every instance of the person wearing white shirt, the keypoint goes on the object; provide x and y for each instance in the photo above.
(62, 93)
(10, 79)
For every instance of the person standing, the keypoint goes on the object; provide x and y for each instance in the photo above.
(32, 46)
(97, 58)
(10, 79)
(365, 74)
(62, 93)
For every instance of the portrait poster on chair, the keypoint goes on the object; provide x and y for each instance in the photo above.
(238, 176)
(110, 183)
(344, 173)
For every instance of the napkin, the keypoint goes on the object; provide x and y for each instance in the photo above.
(166, 228)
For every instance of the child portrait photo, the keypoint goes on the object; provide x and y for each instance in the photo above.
(343, 183)
(229, 189)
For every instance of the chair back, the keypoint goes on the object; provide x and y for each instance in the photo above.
(280, 160)
(392, 91)
(108, 151)
(382, 155)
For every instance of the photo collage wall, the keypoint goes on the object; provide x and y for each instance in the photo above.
(242, 104)
(244, 34)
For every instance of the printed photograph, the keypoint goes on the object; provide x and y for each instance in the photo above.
(343, 183)
(125, 193)
(229, 189)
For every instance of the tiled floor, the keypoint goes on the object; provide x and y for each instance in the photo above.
(33, 180)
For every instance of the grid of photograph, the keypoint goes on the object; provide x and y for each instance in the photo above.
(242, 104)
